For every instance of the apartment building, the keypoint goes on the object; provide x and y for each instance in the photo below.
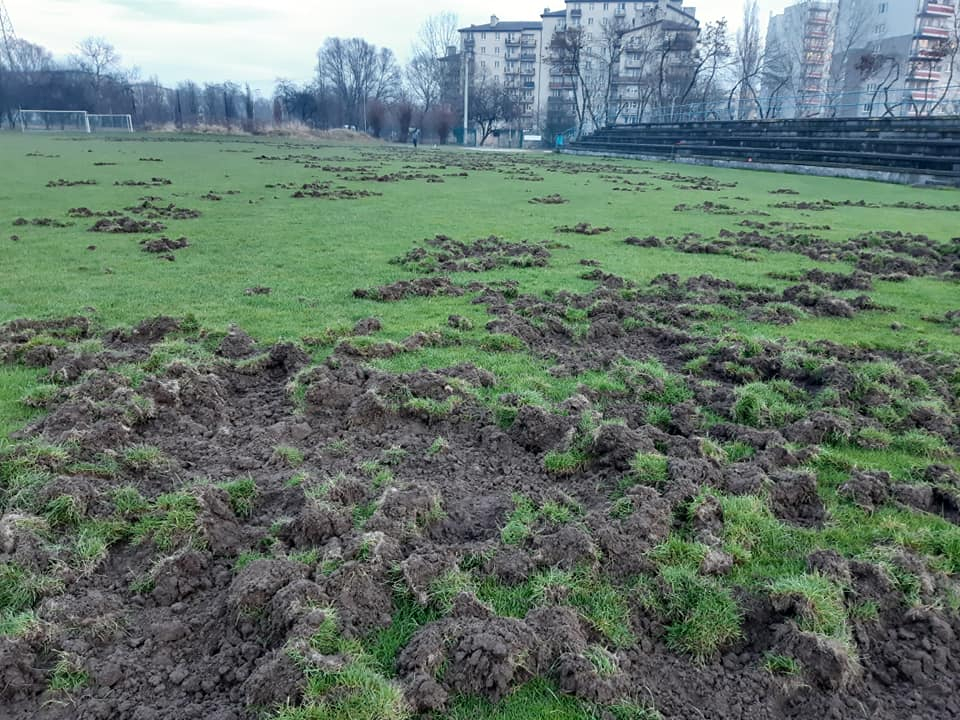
(508, 52)
(799, 52)
(518, 54)
(862, 57)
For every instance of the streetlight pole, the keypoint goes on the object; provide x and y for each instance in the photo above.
(466, 92)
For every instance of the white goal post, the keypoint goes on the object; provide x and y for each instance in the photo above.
(53, 121)
(100, 122)
(73, 121)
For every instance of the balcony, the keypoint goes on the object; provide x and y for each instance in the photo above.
(936, 33)
(619, 12)
(528, 56)
(528, 42)
(923, 95)
(938, 9)
(561, 85)
(513, 40)
(924, 74)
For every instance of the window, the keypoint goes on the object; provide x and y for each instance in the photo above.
(879, 29)
(881, 8)
(606, 6)
(589, 21)
(483, 63)
(496, 36)
(496, 64)
(483, 49)
(483, 36)
(496, 51)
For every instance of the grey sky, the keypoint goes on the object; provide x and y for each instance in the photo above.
(260, 40)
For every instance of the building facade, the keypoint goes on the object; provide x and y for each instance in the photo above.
(864, 58)
(607, 82)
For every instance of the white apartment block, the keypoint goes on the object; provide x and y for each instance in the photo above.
(799, 51)
(905, 43)
(518, 54)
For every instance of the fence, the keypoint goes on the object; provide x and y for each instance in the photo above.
(893, 102)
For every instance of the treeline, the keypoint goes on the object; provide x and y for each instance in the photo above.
(94, 80)
(356, 85)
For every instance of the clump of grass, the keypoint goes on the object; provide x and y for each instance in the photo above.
(566, 462)
(292, 457)
(648, 469)
(380, 476)
(92, 541)
(873, 438)
(337, 448)
(438, 446)
(820, 604)
(128, 502)
(68, 675)
(20, 589)
(241, 492)
(501, 342)
(64, 511)
(363, 512)
(922, 444)
(444, 589)
(777, 664)
(39, 396)
(603, 661)
(19, 623)
(170, 521)
(738, 451)
(768, 404)
(393, 455)
(143, 458)
(703, 617)
(520, 523)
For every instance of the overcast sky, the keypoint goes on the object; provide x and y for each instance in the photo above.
(258, 41)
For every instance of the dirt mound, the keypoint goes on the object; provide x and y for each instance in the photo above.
(421, 287)
(445, 254)
(126, 224)
(163, 245)
(582, 228)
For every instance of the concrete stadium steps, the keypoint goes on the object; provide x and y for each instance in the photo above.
(918, 145)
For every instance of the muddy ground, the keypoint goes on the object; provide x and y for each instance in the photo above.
(373, 488)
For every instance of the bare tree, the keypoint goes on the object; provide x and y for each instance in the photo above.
(424, 73)
(568, 61)
(886, 69)
(356, 72)
(490, 104)
(852, 32)
(748, 65)
(98, 58)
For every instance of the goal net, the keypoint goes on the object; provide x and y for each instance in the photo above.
(54, 121)
(110, 123)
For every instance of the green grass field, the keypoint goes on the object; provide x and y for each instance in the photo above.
(313, 253)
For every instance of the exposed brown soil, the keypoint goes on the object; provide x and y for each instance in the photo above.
(554, 199)
(327, 191)
(163, 245)
(152, 182)
(582, 228)
(126, 224)
(69, 183)
(151, 208)
(42, 222)
(448, 255)
(208, 640)
(422, 287)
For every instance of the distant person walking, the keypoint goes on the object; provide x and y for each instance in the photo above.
(559, 142)
(416, 138)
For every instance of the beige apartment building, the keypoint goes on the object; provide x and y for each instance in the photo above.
(613, 77)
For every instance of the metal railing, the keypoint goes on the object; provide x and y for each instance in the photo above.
(902, 101)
